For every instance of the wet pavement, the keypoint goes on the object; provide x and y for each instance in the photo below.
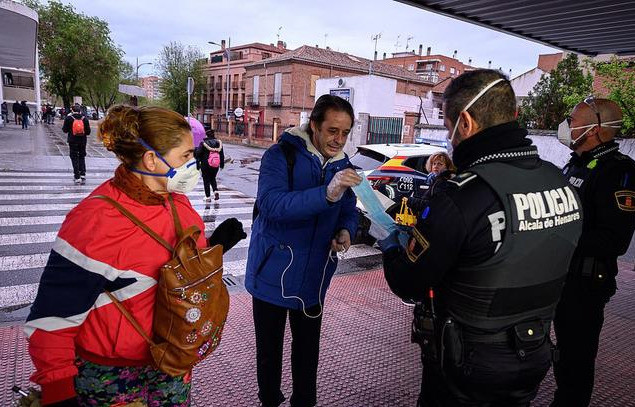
(366, 357)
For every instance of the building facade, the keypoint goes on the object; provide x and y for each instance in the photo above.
(19, 69)
(215, 99)
(283, 89)
(430, 67)
(151, 85)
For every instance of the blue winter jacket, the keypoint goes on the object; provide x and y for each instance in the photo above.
(291, 237)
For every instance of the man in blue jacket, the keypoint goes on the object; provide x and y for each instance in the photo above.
(306, 214)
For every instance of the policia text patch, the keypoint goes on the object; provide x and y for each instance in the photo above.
(544, 209)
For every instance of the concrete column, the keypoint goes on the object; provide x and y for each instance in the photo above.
(358, 134)
(230, 127)
(251, 127)
(275, 131)
(38, 96)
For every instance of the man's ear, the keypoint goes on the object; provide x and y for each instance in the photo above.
(467, 125)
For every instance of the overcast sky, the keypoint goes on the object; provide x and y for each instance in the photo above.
(142, 27)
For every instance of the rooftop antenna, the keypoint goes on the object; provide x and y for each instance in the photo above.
(375, 38)
(278, 35)
(397, 43)
(325, 37)
(408, 41)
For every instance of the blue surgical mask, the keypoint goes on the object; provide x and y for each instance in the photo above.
(182, 179)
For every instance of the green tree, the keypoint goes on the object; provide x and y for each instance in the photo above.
(618, 76)
(175, 63)
(102, 91)
(73, 49)
(555, 95)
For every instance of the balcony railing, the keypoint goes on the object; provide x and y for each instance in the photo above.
(275, 101)
(219, 86)
(253, 101)
(234, 85)
(19, 81)
(242, 84)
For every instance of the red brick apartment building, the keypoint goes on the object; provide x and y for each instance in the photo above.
(434, 68)
(214, 94)
(280, 88)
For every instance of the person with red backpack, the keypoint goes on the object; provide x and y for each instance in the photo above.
(77, 127)
(210, 158)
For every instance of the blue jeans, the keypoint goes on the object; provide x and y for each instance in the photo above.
(25, 121)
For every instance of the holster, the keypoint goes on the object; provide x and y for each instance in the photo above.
(451, 343)
(423, 332)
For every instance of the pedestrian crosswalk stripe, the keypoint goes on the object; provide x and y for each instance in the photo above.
(81, 195)
(69, 206)
(49, 220)
(49, 237)
(65, 175)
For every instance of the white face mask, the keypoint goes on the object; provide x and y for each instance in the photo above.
(564, 132)
(182, 179)
(477, 97)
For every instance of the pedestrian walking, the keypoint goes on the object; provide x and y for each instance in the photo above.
(25, 112)
(77, 128)
(210, 159)
(100, 296)
(4, 111)
(605, 180)
(305, 214)
(487, 259)
(17, 112)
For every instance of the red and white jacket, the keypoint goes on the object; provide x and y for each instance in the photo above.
(98, 249)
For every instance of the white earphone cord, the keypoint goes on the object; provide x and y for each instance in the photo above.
(300, 299)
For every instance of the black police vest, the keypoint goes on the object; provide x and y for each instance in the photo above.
(523, 280)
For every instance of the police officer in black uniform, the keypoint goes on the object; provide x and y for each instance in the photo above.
(605, 180)
(488, 256)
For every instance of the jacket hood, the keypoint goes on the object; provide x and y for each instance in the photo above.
(300, 132)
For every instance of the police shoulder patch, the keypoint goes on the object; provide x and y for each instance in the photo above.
(625, 200)
(463, 178)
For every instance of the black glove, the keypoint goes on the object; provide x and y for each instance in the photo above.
(227, 234)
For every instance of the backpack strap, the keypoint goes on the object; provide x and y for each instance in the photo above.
(175, 216)
(289, 154)
(130, 318)
(137, 222)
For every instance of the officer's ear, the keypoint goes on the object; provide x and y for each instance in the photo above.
(467, 125)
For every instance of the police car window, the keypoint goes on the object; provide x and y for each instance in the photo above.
(368, 160)
(417, 163)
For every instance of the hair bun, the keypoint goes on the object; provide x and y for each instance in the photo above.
(120, 126)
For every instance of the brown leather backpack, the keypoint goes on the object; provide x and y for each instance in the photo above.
(192, 302)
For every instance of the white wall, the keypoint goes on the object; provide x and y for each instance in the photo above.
(524, 83)
(371, 94)
(409, 103)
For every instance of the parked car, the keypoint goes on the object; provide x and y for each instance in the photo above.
(394, 171)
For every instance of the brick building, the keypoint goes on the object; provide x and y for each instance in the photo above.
(214, 95)
(280, 88)
(151, 85)
(433, 68)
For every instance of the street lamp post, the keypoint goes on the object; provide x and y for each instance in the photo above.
(229, 56)
(137, 69)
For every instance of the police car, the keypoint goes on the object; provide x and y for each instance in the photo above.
(394, 171)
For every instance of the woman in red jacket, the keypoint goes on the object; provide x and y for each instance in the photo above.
(84, 351)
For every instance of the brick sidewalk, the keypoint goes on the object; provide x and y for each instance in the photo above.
(367, 359)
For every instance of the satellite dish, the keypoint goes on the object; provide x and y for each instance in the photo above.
(341, 83)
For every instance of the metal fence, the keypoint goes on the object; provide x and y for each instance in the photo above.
(384, 130)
